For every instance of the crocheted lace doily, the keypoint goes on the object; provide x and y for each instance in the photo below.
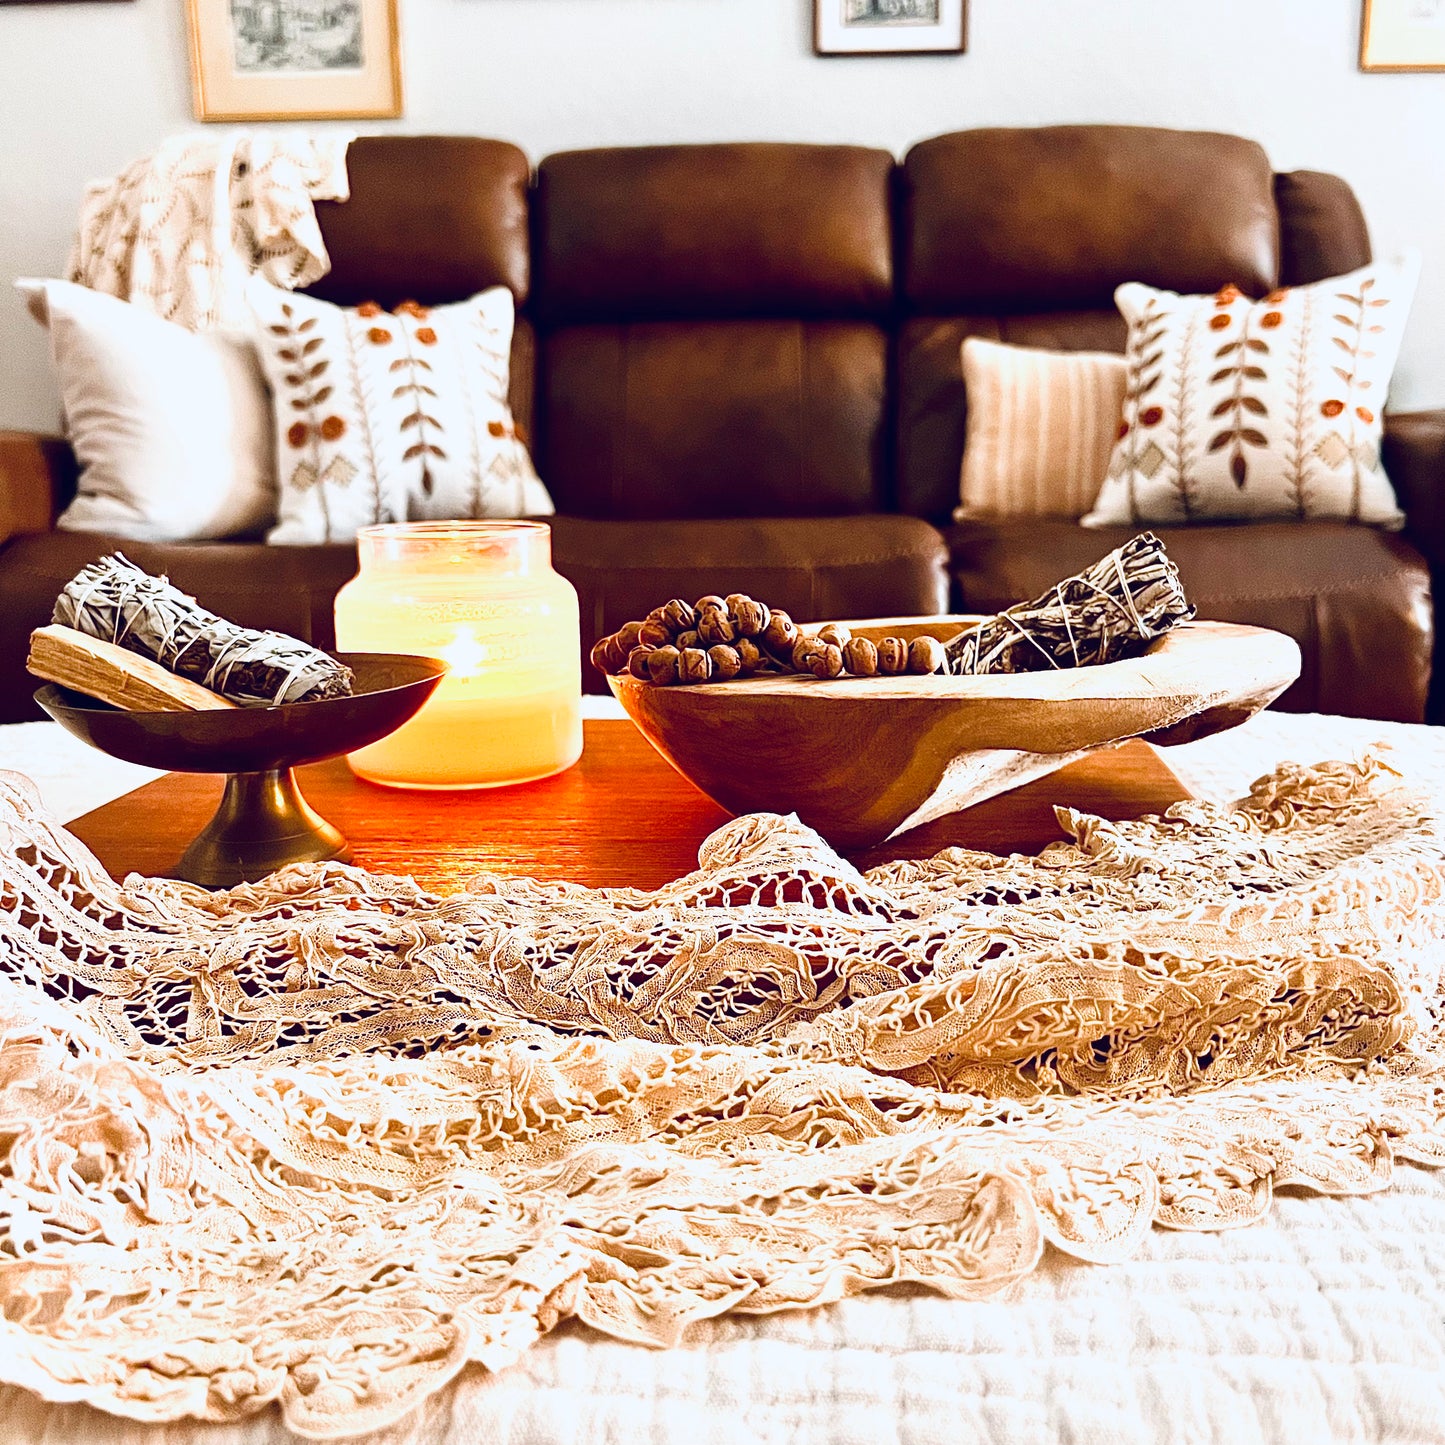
(325, 1140)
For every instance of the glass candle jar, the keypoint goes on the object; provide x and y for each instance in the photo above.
(483, 597)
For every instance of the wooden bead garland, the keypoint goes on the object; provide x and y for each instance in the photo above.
(717, 639)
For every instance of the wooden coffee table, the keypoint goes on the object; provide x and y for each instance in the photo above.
(621, 818)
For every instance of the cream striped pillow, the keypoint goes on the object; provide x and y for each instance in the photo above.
(1041, 427)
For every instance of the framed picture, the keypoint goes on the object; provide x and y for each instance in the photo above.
(295, 59)
(1403, 35)
(888, 27)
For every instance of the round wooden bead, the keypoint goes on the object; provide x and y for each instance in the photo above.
(726, 661)
(687, 639)
(835, 633)
(860, 657)
(711, 603)
(826, 661)
(662, 665)
(693, 665)
(780, 634)
(629, 634)
(679, 615)
(637, 663)
(654, 633)
(925, 655)
(598, 654)
(803, 650)
(714, 626)
(892, 656)
(752, 618)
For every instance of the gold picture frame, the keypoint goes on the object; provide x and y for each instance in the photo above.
(1402, 36)
(255, 60)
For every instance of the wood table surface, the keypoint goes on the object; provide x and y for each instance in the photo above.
(622, 817)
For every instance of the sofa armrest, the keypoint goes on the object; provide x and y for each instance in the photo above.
(1414, 457)
(37, 481)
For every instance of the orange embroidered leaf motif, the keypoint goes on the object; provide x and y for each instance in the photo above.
(378, 336)
(287, 353)
(1365, 414)
(1271, 319)
(294, 378)
(320, 395)
(332, 428)
(1220, 322)
(368, 309)
(307, 324)
(297, 433)
(311, 346)
(426, 336)
(1238, 469)
(496, 429)
(1332, 407)
(279, 330)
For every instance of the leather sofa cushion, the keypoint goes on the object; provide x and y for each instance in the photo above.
(715, 419)
(430, 219)
(931, 415)
(1322, 230)
(1356, 600)
(1057, 217)
(814, 568)
(714, 230)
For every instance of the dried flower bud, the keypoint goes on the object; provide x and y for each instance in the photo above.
(687, 639)
(637, 663)
(714, 626)
(629, 634)
(654, 634)
(662, 665)
(750, 656)
(679, 615)
(711, 603)
(834, 632)
(780, 634)
(751, 617)
(803, 650)
(694, 665)
(726, 661)
(826, 660)
(925, 655)
(860, 657)
(892, 656)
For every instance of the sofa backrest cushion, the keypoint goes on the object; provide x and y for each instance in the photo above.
(1023, 236)
(713, 330)
(1055, 218)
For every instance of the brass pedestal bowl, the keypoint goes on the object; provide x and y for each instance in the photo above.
(263, 822)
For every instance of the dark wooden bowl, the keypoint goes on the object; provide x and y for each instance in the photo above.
(263, 822)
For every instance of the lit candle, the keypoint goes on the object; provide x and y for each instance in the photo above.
(483, 597)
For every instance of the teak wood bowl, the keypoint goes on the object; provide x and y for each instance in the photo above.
(263, 822)
(864, 759)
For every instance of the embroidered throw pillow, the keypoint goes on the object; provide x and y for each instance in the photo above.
(1239, 410)
(172, 428)
(392, 416)
(1041, 426)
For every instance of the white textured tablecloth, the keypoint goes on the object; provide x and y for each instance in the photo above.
(1323, 1323)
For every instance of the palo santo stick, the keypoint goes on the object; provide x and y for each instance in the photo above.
(113, 674)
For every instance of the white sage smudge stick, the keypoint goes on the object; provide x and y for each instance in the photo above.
(115, 601)
(1113, 610)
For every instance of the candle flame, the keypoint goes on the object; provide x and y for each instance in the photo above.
(464, 655)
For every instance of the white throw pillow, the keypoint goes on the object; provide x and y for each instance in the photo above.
(1238, 410)
(172, 428)
(392, 416)
(1041, 426)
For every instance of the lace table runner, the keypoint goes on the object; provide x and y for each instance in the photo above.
(323, 1140)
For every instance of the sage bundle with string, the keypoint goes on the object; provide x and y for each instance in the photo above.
(115, 601)
(1113, 610)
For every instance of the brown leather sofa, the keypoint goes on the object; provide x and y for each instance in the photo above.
(739, 366)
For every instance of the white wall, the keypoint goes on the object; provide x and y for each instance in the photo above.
(89, 87)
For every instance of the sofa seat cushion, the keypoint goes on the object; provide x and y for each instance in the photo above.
(289, 589)
(813, 568)
(1355, 599)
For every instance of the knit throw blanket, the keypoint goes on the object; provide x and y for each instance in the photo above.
(324, 1140)
(181, 232)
